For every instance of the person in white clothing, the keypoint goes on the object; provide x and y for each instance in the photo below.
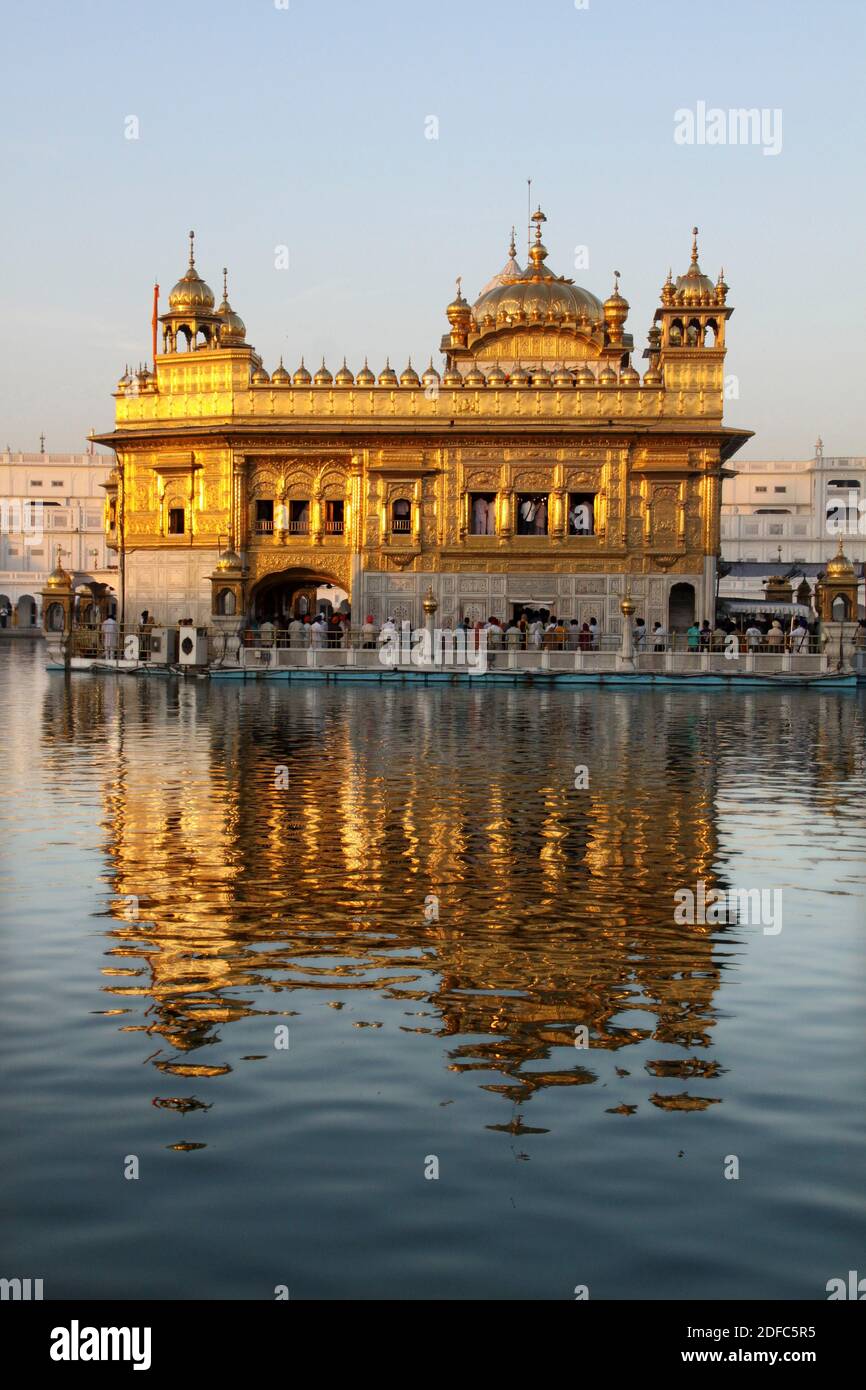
(754, 637)
(319, 631)
(109, 637)
(479, 516)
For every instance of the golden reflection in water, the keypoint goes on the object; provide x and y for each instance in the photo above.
(555, 904)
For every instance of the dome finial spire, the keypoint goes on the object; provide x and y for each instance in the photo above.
(694, 245)
(191, 250)
(225, 285)
(512, 248)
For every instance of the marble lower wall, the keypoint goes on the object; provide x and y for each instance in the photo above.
(478, 596)
(174, 584)
(171, 585)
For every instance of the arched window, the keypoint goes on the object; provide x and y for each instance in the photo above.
(226, 604)
(675, 336)
(841, 608)
(401, 515)
(54, 617)
(694, 333)
(711, 333)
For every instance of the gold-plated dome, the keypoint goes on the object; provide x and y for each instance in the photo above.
(232, 329)
(58, 578)
(694, 286)
(475, 376)
(431, 377)
(840, 567)
(562, 377)
(540, 376)
(302, 376)
(452, 377)
(229, 560)
(496, 376)
(629, 377)
(387, 376)
(584, 376)
(652, 377)
(537, 294)
(615, 306)
(344, 376)
(191, 295)
(280, 376)
(519, 377)
(607, 377)
(323, 376)
(125, 380)
(365, 377)
(408, 376)
(260, 377)
(458, 310)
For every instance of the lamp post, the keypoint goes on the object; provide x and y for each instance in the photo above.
(626, 654)
(430, 606)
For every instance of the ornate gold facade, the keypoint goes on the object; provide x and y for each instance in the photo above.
(369, 482)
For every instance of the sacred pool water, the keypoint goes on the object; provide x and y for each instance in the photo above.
(368, 992)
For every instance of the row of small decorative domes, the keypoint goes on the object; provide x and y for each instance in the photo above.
(496, 377)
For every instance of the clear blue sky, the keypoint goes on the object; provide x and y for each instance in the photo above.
(305, 126)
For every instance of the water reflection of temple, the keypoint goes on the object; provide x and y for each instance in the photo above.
(554, 904)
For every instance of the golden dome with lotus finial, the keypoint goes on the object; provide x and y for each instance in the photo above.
(387, 376)
(302, 376)
(365, 377)
(475, 376)
(431, 377)
(452, 377)
(693, 287)
(191, 295)
(260, 377)
(344, 377)
(323, 376)
(840, 567)
(59, 578)
(536, 294)
(229, 560)
(458, 310)
(409, 376)
(232, 329)
(280, 376)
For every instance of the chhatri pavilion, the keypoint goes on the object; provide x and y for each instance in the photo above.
(537, 465)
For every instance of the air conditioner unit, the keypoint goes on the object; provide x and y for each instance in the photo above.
(163, 645)
(130, 647)
(192, 646)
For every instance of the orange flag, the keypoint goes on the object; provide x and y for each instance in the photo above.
(154, 320)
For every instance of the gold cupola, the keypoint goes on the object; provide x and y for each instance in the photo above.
(191, 317)
(409, 376)
(344, 376)
(694, 287)
(615, 313)
(365, 377)
(387, 376)
(302, 376)
(840, 567)
(232, 329)
(191, 295)
(280, 377)
(323, 376)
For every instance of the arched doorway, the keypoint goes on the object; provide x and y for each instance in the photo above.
(681, 607)
(297, 593)
(26, 611)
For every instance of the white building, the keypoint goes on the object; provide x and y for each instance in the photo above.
(51, 507)
(789, 516)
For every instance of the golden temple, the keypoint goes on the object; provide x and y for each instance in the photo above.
(537, 467)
